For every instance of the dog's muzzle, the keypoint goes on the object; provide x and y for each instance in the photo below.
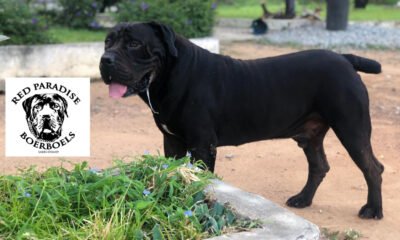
(125, 81)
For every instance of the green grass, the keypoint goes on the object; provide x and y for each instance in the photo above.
(251, 9)
(239, 9)
(154, 198)
(67, 35)
(376, 13)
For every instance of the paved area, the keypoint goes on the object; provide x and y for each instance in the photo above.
(360, 35)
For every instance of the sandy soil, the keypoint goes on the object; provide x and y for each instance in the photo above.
(274, 169)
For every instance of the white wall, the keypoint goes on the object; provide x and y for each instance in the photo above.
(62, 60)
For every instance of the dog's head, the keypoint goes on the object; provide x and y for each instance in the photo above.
(45, 115)
(134, 55)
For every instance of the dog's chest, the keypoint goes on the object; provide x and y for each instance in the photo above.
(165, 125)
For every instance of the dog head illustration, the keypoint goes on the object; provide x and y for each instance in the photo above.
(45, 115)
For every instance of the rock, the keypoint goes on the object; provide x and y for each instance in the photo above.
(358, 35)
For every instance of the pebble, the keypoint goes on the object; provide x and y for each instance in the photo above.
(397, 111)
(357, 35)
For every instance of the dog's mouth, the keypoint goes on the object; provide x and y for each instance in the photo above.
(47, 127)
(47, 130)
(48, 133)
(117, 90)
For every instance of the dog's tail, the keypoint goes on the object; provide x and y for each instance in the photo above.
(363, 64)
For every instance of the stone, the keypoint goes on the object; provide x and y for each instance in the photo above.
(278, 223)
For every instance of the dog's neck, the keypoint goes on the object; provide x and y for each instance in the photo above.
(158, 96)
(153, 94)
(156, 91)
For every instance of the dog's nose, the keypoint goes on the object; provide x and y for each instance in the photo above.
(108, 59)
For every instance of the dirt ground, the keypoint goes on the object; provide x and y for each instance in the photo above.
(274, 169)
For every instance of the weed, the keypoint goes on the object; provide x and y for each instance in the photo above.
(349, 234)
(154, 198)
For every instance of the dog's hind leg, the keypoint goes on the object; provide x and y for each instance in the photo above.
(356, 140)
(311, 140)
(349, 117)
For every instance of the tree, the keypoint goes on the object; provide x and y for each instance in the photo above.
(337, 14)
(290, 10)
(360, 3)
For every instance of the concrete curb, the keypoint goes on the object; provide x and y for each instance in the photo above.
(278, 223)
(273, 24)
(62, 60)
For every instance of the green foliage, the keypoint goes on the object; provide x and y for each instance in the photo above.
(190, 18)
(154, 198)
(352, 234)
(79, 13)
(20, 24)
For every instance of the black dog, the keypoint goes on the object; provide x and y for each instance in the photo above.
(45, 115)
(202, 100)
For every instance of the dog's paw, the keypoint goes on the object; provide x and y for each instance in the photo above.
(299, 201)
(368, 212)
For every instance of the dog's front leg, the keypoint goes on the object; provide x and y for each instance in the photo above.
(173, 147)
(206, 153)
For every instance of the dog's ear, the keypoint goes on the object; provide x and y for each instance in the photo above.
(168, 37)
(64, 102)
(27, 104)
(65, 106)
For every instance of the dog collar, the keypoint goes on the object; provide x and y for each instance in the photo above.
(148, 99)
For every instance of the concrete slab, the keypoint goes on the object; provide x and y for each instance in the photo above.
(227, 34)
(63, 60)
(278, 223)
(273, 24)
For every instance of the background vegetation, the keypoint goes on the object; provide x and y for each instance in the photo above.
(21, 24)
(190, 18)
(30, 22)
(377, 10)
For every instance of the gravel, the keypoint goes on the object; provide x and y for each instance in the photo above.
(358, 35)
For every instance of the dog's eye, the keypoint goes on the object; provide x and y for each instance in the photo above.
(56, 106)
(37, 108)
(134, 45)
(107, 42)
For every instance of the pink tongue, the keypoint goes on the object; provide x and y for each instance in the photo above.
(117, 90)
